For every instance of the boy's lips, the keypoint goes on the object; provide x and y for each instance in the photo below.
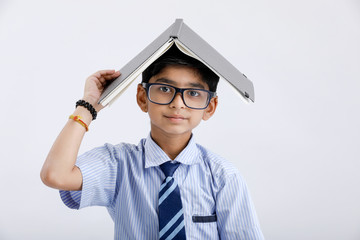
(175, 117)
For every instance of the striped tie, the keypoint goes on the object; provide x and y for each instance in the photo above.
(171, 217)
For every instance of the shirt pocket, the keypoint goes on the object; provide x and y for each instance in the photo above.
(204, 219)
(204, 226)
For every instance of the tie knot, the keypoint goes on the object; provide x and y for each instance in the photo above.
(169, 168)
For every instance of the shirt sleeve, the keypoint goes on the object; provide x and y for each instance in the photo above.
(235, 211)
(99, 169)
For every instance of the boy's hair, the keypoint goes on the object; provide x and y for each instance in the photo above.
(175, 57)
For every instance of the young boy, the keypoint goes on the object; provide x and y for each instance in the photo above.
(167, 186)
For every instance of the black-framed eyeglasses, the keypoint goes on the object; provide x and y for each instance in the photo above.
(164, 94)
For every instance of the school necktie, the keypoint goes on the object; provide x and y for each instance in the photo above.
(171, 216)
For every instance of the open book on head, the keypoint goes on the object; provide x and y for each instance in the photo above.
(187, 41)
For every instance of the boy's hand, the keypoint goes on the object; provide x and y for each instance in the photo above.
(95, 84)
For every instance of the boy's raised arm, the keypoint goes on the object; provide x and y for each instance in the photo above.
(59, 170)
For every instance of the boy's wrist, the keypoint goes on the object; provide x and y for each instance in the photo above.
(88, 106)
(90, 100)
(93, 102)
(84, 113)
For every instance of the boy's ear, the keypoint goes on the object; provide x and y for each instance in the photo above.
(141, 98)
(210, 110)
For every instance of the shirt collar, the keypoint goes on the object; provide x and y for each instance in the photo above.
(155, 156)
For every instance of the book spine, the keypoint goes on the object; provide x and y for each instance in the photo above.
(175, 33)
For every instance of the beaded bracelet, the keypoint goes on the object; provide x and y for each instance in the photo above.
(88, 106)
(78, 119)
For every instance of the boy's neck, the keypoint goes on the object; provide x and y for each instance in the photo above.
(171, 145)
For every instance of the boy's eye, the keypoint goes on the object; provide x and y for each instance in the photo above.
(165, 89)
(193, 93)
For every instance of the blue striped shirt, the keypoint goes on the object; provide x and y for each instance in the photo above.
(126, 179)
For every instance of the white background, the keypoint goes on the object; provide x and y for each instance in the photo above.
(297, 146)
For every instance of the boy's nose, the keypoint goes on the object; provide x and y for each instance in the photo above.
(177, 102)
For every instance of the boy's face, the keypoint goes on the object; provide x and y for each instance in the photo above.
(175, 119)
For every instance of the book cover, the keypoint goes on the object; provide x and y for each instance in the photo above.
(190, 43)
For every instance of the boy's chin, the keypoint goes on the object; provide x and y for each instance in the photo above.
(172, 132)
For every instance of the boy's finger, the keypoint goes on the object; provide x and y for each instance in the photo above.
(112, 76)
(106, 75)
(106, 72)
(101, 73)
(103, 79)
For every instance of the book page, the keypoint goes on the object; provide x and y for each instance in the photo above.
(186, 51)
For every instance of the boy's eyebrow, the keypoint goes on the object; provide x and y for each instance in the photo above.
(171, 82)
